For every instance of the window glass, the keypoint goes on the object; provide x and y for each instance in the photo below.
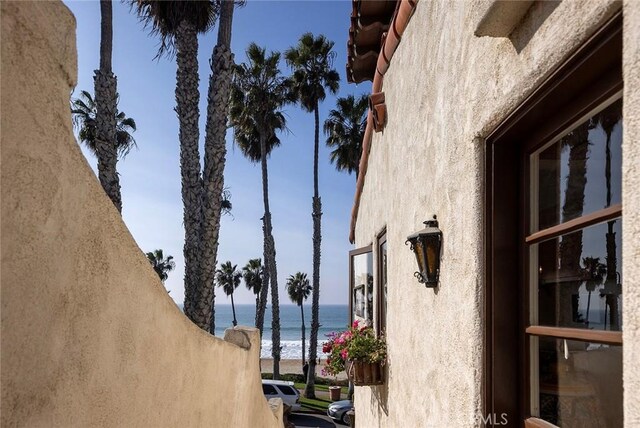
(580, 280)
(581, 172)
(580, 383)
(382, 284)
(286, 390)
(269, 390)
(362, 287)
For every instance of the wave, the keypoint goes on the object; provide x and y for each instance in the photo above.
(290, 349)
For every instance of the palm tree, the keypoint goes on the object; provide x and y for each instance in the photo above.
(105, 83)
(312, 64)
(229, 278)
(345, 129)
(178, 24)
(83, 110)
(299, 289)
(221, 64)
(593, 273)
(252, 273)
(259, 92)
(160, 264)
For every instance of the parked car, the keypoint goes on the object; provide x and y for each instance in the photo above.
(338, 411)
(284, 390)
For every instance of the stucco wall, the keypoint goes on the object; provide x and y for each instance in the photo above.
(445, 91)
(89, 335)
(631, 218)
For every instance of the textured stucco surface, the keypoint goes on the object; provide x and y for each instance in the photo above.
(445, 91)
(89, 335)
(631, 217)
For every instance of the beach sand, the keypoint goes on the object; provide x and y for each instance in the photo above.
(295, 367)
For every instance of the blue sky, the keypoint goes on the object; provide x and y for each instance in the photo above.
(150, 176)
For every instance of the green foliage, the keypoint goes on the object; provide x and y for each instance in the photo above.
(298, 288)
(312, 63)
(258, 94)
(355, 344)
(160, 264)
(228, 277)
(253, 273)
(163, 18)
(84, 112)
(345, 128)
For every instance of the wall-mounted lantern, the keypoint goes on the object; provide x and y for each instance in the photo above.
(426, 245)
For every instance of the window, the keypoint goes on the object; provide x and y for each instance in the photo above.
(269, 390)
(361, 284)
(381, 292)
(286, 390)
(574, 263)
(553, 340)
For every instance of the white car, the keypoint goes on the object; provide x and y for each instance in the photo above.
(284, 390)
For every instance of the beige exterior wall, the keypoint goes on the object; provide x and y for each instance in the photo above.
(445, 91)
(89, 334)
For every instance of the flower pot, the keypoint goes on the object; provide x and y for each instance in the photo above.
(334, 393)
(362, 373)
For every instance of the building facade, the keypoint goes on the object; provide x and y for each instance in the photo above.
(517, 124)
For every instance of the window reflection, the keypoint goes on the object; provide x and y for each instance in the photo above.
(579, 279)
(580, 383)
(363, 286)
(581, 173)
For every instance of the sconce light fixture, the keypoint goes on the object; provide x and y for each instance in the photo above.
(426, 245)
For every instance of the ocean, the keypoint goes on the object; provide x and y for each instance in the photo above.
(332, 318)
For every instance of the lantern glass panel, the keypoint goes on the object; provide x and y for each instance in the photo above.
(419, 250)
(432, 242)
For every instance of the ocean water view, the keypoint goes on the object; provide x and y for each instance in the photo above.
(332, 318)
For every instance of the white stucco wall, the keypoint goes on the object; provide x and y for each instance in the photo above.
(631, 217)
(89, 334)
(445, 91)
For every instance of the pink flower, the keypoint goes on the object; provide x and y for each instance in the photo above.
(344, 354)
(356, 323)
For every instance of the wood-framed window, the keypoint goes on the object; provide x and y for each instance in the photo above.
(381, 289)
(553, 237)
(361, 284)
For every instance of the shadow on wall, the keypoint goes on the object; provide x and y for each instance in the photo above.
(89, 335)
(532, 21)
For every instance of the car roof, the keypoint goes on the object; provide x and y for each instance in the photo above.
(277, 382)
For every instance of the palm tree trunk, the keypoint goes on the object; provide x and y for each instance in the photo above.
(105, 83)
(309, 391)
(270, 263)
(233, 309)
(612, 261)
(303, 338)
(187, 99)
(214, 160)
(264, 290)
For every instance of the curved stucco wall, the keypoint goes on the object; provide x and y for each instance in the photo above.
(89, 335)
(445, 90)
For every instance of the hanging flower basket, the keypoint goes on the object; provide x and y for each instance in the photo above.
(362, 373)
(358, 352)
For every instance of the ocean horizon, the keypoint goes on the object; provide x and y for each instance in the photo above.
(332, 318)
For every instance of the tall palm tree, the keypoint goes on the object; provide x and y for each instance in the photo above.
(252, 274)
(160, 264)
(178, 24)
(258, 95)
(83, 110)
(105, 84)
(299, 289)
(345, 129)
(312, 63)
(229, 278)
(593, 273)
(221, 64)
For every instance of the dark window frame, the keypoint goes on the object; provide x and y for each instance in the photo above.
(586, 79)
(381, 316)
